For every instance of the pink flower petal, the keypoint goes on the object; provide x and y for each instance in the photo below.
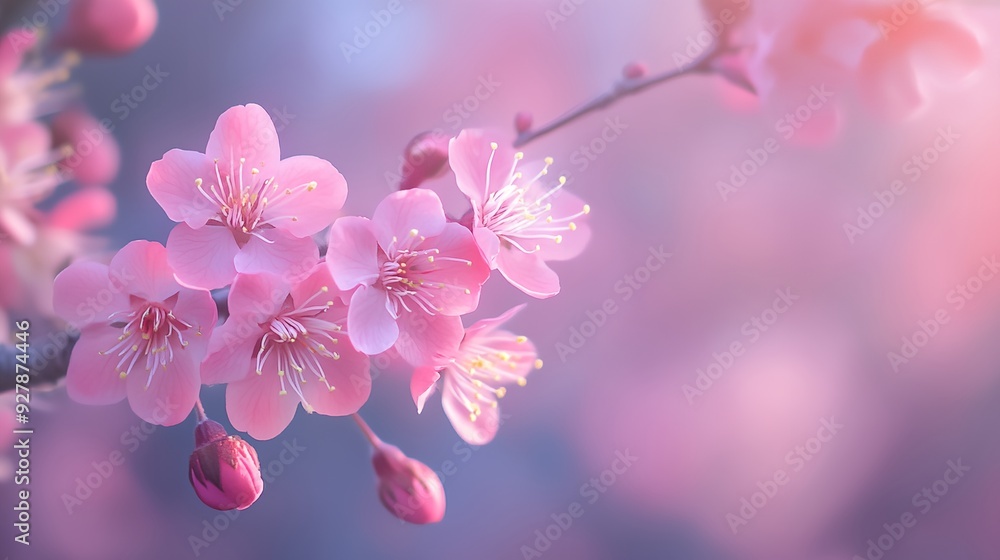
(198, 309)
(489, 244)
(455, 277)
(528, 272)
(422, 385)
(428, 340)
(231, 350)
(245, 131)
(350, 378)
(318, 281)
(84, 293)
(288, 256)
(167, 398)
(469, 155)
(404, 211)
(372, 328)
(486, 326)
(257, 298)
(946, 48)
(314, 209)
(255, 406)
(86, 209)
(91, 377)
(457, 391)
(352, 254)
(142, 267)
(96, 156)
(171, 181)
(202, 257)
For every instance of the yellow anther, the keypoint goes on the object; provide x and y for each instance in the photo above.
(311, 186)
(501, 392)
(494, 145)
(414, 233)
(522, 381)
(521, 339)
(586, 209)
(539, 364)
(572, 226)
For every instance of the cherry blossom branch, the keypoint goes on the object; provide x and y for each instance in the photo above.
(635, 80)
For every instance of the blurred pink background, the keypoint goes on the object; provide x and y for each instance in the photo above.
(814, 394)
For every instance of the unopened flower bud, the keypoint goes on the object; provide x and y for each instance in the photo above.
(635, 70)
(424, 158)
(409, 489)
(108, 27)
(224, 469)
(523, 121)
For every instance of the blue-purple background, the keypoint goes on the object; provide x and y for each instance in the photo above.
(623, 390)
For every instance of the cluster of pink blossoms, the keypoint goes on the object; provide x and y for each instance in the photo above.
(47, 140)
(302, 326)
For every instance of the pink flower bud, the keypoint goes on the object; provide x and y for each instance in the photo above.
(523, 121)
(635, 70)
(95, 156)
(224, 469)
(409, 489)
(108, 27)
(424, 158)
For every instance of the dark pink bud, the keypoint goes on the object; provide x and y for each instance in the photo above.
(635, 70)
(224, 469)
(93, 152)
(108, 27)
(409, 489)
(424, 158)
(523, 121)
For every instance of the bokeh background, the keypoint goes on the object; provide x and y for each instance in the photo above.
(614, 384)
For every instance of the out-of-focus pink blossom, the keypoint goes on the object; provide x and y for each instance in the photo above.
(414, 274)
(27, 91)
(142, 335)
(284, 344)
(475, 377)
(27, 176)
(881, 51)
(224, 470)
(518, 223)
(243, 208)
(409, 489)
(108, 27)
(94, 156)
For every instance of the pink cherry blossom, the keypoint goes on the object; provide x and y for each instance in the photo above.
(142, 335)
(285, 344)
(475, 377)
(518, 223)
(414, 273)
(243, 208)
(108, 27)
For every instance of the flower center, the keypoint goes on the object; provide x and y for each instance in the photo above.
(150, 331)
(519, 220)
(403, 274)
(298, 337)
(243, 198)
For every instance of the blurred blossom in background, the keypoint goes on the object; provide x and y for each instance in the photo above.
(779, 343)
